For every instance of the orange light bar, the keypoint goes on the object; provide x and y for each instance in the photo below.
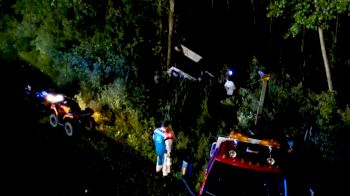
(245, 138)
(270, 142)
(265, 142)
(238, 136)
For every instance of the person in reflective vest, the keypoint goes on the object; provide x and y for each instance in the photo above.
(169, 140)
(159, 135)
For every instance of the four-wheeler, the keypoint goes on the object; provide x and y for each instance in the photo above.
(67, 113)
(242, 165)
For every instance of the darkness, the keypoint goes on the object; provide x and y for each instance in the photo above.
(220, 34)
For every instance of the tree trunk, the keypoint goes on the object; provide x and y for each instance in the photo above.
(261, 101)
(253, 9)
(302, 53)
(171, 26)
(325, 59)
(336, 29)
(302, 42)
(161, 34)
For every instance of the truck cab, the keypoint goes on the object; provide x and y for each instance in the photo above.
(242, 165)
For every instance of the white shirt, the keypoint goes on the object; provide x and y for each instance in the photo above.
(230, 87)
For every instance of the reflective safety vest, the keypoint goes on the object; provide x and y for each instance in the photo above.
(159, 141)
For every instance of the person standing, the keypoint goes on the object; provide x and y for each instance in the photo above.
(169, 140)
(159, 135)
(229, 86)
(229, 107)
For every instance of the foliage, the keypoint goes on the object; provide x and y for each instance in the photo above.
(205, 115)
(312, 14)
(305, 109)
(328, 121)
(181, 141)
(345, 114)
(249, 97)
(246, 113)
(308, 13)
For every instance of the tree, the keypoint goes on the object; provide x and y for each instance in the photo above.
(171, 25)
(310, 14)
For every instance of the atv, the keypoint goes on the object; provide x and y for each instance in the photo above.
(67, 113)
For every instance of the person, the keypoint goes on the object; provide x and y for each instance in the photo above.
(169, 140)
(229, 103)
(229, 86)
(156, 77)
(159, 136)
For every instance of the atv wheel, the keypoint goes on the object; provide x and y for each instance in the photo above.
(90, 125)
(53, 120)
(26, 100)
(68, 128)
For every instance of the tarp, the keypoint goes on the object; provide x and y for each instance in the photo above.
(189, 53)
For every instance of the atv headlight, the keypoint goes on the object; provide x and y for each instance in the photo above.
(54, 98)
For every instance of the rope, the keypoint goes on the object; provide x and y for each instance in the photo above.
(188, 187)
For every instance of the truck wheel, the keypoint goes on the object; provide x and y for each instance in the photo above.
(53, 120)
(68, 128)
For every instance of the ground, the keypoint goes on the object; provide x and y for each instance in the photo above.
(41, 160)
(44, 161)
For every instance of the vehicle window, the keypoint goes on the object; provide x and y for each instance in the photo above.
(225, 179)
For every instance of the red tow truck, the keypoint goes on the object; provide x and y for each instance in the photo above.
(242, 165)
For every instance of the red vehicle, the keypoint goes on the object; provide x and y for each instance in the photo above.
(241, 165)
(66, 112)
